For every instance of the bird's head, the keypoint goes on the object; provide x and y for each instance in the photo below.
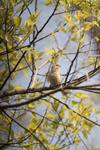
(55, 67)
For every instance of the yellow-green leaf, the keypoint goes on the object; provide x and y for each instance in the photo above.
(47, 2)
(63, 3)
(86, 9)
(5, 3)
(3, 129)
(17, 86)
(74, 103)
(96, 38)
(26, 48)
(61, 28)
(82, 40)
(20, 8)
(32, 95)
(17, 20)
(39, 55)
(68, 18)
(17, 38)
(94, 109)
(87, 25)
(77, 141)
(48, 50)
(9, 44)
(85, 134)
(7, 37)
(56, 104)
(1, 49)
(98, 112)
(87, 76)
(1, 71)
(98, 15)
(2, 139)
(25, 73)
(50, 116)
(12, 134)
(10, 87)
(53, 50)
(81, 95)
(2, 34)
(30, 106)
(96, 23)
(53, 147)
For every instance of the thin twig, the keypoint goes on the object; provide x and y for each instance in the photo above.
(34, 77)
(12, 71)
(26, 130)
(43, 64)
(72, 64)
(47, 94)
(75, 111)
(6, 41)
(83, 61)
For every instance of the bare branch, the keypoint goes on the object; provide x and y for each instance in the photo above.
(75, 82)
(47, 94)
(12, 71)
(95, 123)
(26, 130)
(83, 61)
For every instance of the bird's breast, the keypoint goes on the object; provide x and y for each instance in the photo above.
(54, 78)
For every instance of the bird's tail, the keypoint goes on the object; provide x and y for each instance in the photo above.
(65, 92)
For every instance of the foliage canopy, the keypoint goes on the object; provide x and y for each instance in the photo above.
(46, 120)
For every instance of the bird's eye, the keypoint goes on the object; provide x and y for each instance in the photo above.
(57, 65)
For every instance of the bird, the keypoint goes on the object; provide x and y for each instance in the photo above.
(54, 78)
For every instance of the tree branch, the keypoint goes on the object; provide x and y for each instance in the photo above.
(25, 91)
(83, 61)
(12, 71)
(26, 130)
(2, 107)
(75, 111)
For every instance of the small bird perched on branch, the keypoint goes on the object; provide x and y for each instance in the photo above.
(54, 78)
